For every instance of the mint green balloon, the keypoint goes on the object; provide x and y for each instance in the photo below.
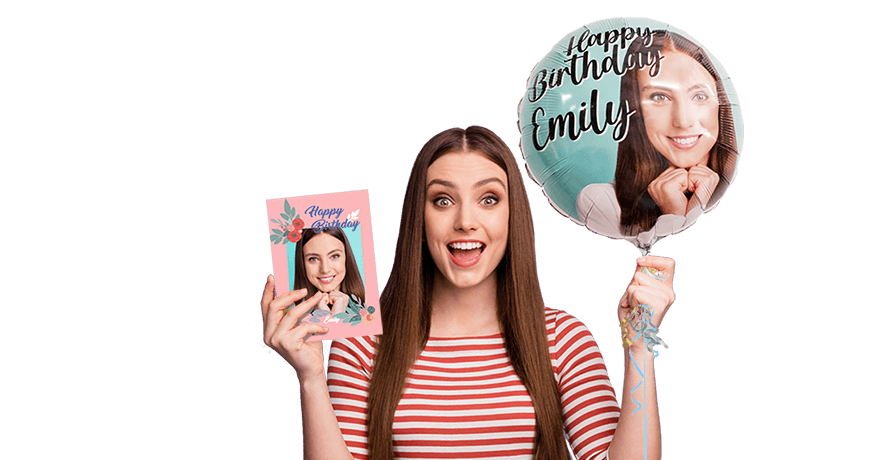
(571, 117)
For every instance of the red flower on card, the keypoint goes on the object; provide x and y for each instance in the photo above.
(298, 224)
(294, 236)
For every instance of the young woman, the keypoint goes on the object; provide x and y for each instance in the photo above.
(680, 151)
(323, 261)
(471, 364)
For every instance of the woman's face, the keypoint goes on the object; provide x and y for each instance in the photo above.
(680, 109)
(466, 215)
(325, 260)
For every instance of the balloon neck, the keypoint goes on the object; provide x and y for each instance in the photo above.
(645, 250)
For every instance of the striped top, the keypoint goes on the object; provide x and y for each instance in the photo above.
(463, 399)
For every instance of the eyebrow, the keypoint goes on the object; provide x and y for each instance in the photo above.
(307, 254)
(671, 89)
(478, 184)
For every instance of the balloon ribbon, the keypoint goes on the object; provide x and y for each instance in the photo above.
(640, 321)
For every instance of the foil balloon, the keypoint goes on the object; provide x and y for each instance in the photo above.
(631, 128)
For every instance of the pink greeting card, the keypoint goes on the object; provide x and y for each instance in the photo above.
(323, 243)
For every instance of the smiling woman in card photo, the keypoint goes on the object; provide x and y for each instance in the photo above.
(324, 262)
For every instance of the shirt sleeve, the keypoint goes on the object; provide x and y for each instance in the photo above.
(349, 374)
(589, 405)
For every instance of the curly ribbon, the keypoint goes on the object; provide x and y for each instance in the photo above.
(640, 321)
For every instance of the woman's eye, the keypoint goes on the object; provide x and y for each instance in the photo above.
(700, 97)
(658, 97)
(335, 256)
(442, 201)
(490, 200)
(312, 260)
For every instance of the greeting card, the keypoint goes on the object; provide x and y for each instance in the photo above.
(323, 243)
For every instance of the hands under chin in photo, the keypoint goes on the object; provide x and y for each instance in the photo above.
(670, 188)
(335, 301)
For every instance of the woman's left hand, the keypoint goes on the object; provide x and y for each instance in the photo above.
(645, 289)
(702, 183)
(339, 301)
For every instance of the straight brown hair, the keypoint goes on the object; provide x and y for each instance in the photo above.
(405, 308)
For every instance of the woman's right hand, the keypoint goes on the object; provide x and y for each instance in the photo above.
(669, 191)
(282, 333)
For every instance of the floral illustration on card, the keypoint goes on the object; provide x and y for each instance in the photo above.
(289, 229)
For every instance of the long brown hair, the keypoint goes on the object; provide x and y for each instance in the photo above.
(405, 306)
(639, 163)
(352, 282)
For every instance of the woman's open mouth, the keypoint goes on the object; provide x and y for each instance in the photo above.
(465, 253)
(326, 279)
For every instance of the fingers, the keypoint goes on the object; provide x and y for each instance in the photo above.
(675, 177)
(668, 191)
(662, 264)
(293, 315)
(292, 345)
(646, 289)
(656, 298)
(275, 312)
(339, 307)
(307, 329)
(268, 295)
(623, 303)
(703, 182)
(289, 321)
(291, 339)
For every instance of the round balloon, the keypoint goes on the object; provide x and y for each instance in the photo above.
(631, 128)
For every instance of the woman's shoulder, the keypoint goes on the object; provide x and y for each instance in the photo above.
(571, 344)
(601, 196)
(597, 208)
(561, 324)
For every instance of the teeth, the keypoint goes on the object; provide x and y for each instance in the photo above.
(465, 246)
(327, 278)
(685, 140)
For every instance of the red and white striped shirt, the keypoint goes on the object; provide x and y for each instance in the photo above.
(464, 400)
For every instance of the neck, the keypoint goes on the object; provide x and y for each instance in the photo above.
(464, 311)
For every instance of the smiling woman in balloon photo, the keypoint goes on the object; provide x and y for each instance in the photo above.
(680, 152)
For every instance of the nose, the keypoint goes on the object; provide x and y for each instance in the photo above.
(323, 266)
(683, 114)
(466, 217)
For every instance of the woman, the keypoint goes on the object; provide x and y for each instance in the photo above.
(323, 261)
(470, 361)
(679, 154)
